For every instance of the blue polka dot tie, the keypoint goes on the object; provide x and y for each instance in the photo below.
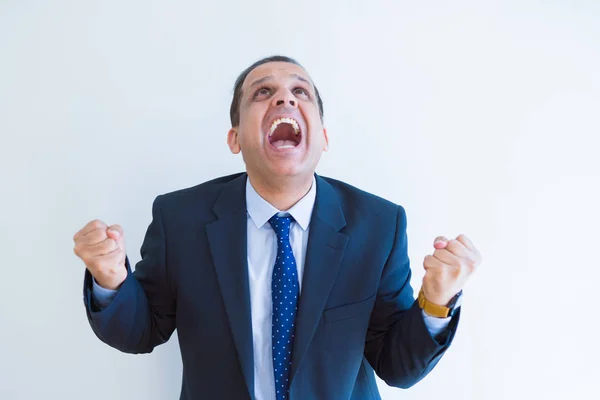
(284, 287)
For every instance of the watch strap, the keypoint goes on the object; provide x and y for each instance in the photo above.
(432, 309)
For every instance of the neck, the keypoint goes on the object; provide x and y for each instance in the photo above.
(281, 193)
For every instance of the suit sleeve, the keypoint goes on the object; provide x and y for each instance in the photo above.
(142, 313)
(399, 346)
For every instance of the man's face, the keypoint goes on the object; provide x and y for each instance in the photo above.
(280, 133)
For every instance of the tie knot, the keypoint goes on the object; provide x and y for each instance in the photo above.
(281, 225)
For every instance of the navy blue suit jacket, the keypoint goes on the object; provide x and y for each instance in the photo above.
(356, 315)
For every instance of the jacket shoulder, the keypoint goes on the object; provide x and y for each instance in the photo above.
(204, 193)
(356, 198)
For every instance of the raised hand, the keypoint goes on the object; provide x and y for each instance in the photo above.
(448, 268)
(102, 249)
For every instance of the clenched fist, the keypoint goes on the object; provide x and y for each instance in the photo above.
(447, 270)
(102, 249)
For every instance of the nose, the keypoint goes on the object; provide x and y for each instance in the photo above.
(285, 98)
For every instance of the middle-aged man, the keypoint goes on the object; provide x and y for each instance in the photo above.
(282, 284)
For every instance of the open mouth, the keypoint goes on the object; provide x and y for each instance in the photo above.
(285, 133)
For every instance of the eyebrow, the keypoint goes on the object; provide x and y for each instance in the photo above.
(270, 77)
(300, 78)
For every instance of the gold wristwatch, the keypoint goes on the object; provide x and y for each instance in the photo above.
(435, 310)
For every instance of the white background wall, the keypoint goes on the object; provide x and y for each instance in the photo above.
(479, 117)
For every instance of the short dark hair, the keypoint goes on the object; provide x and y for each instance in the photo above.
(234, 110)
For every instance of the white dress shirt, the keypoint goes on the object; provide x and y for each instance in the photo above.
(262, 250)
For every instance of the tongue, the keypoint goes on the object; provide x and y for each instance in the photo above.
(284, 133)
(282, 143)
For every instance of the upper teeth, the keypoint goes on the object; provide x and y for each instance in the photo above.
(287, 121)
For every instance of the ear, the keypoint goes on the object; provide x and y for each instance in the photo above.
(326, 147)
(232, 140)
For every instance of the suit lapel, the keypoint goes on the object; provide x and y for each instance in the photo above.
(324, 253)
(228, 246)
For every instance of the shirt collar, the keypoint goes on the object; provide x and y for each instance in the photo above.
(260, 210)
